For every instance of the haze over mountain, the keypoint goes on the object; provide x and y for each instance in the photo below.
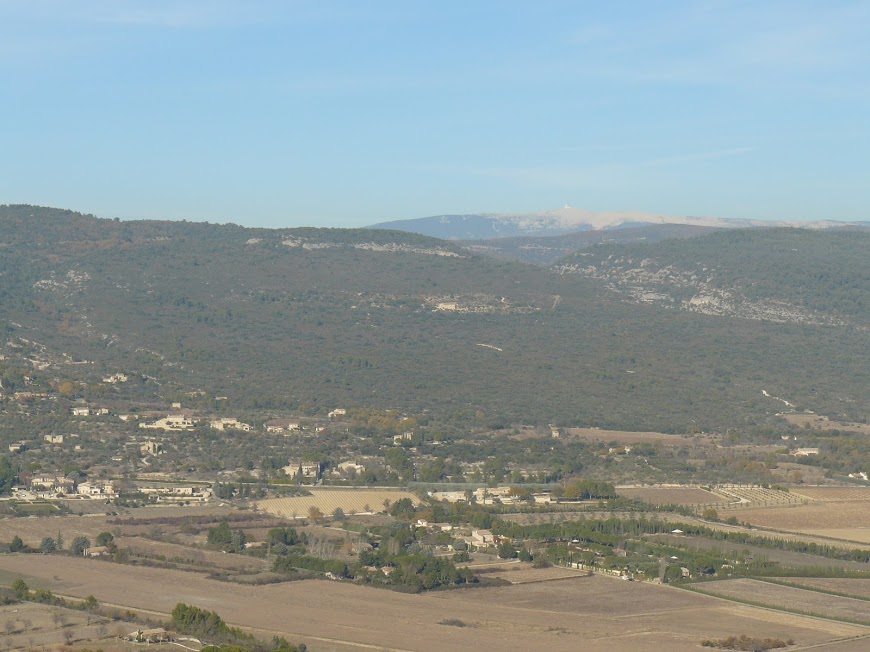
(566, 220)
(304, 319)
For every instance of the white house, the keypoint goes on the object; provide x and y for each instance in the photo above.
(95, 488)
(482, 537)
(173, 421)
(230, 423)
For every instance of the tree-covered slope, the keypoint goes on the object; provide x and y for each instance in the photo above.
(786, 275)
(319, 318)
(549, 249)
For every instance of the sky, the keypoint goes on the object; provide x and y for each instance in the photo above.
(288, 113)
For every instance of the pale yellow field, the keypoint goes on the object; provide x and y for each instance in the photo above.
(833, 493)
(351, 501)
(856, 534)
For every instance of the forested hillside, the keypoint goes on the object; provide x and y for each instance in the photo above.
(317, 318)
(787, 275)
(548, 250)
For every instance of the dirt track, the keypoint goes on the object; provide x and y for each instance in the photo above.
(597, 613)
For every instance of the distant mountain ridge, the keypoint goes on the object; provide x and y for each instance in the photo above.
(546, 250)
(568, 219)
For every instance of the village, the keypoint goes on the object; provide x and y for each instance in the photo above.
(390, 500)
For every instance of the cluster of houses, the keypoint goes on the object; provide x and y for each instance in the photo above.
(489, 496)
(173, 422)
(48, 486)
(179, 420)
(302, 471)
(477, 538)
(56, 486)
(167, 493)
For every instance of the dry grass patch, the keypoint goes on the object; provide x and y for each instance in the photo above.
(525, 574)
(30, 626)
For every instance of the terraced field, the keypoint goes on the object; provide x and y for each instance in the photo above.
(351, 501)
(748, 496)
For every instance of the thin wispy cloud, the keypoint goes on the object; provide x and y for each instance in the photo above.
(701, 156)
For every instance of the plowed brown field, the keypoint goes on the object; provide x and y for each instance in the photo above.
(596, 613)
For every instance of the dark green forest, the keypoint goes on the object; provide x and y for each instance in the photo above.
(825, 271)
(318, 318)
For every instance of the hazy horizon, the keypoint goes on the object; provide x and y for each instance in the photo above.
(282, 114)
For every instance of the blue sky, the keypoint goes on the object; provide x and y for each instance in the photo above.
(283, 113)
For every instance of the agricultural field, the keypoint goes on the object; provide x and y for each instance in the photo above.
(187, 556)
(857, 588)
(785, 597)
(836, 520)
(851, 534)
(834, 494)
(671, 495)
(351, 501)
(33, 530)
(597, 613)
(786, 558)
(524, 573)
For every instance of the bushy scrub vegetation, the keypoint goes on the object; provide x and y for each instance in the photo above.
(209, 626)
(747, 643)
